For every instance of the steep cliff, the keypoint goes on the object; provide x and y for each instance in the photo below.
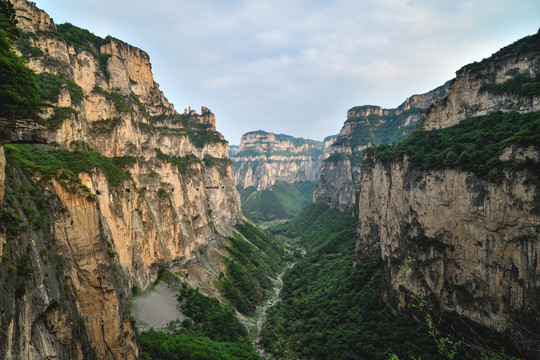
(338, 185)
(453, 210)
(126, 186)
(264, 158)
(502, 82)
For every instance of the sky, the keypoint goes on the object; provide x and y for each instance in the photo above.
(296, 66)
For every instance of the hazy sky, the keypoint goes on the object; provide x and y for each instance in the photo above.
(297, 66)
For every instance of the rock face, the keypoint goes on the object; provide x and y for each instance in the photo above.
(470, 93)
(471, 243)
(22, 131)
(264, 158)
(367, 125)
(113, 235)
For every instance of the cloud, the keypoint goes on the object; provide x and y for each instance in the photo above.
(296, 66)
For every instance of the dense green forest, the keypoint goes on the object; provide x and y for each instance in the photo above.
(283, 201)
(474, 144)
(19, 92)
(330, 309)
(254, 257)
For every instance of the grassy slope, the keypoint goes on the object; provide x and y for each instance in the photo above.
(283, 201)
(212, 331)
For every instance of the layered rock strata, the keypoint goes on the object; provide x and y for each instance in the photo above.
(113, 234)
(264, 158)
(470, 243)
(338, 184)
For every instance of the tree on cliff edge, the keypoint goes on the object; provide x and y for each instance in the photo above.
(19, 96)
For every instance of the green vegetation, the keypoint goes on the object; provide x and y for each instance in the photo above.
(249, 265)
(283, 201)
(64, 165)
(209, 318)
(473, 145)
(162, 346)
(103, 60)
(210, 331)
(9, 223)
(84, 40)
(121, 104)
(81, 39)
(19, 97)
(184, 163)
(51, 84)
(376, 129)
(80, 145)
(518, 85)
(105, 126)
(26, 48)
(330, 309)
(222, 164)
(355, 158)
(55, 121)
(199, 134)
(202, 134)
(24, 274)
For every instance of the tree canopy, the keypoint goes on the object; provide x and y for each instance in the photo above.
(19, 96)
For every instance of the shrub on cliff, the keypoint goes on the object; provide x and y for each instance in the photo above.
(19, 96)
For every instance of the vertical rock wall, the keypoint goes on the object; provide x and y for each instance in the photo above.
(112, 234)
(470, 243)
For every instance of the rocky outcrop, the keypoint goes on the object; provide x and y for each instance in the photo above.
(471, 93)
(111, 233)
(22, 131)
(470, 243)
(264, 158)
(473, 243)
(338, 185)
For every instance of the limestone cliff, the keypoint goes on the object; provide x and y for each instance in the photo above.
(472, 92)
(338, 185)
(468, 239)
(264, 158)
(110, 230)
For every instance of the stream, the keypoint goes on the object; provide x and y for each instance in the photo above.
(255, 323)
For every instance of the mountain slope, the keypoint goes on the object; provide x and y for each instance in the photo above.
(367, 125)
(456, 204)
(282, 201)
(276, 174)
(125, 187)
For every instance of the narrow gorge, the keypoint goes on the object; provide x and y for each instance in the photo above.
(133, 230)
(458, 200)
(276, 173)
(339, 182)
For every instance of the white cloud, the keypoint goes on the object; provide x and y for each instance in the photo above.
(296, 66)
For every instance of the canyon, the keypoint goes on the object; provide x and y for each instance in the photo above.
(113, 190)
(468, 241)
(262, 158)
(338, 185)
(107, 232)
